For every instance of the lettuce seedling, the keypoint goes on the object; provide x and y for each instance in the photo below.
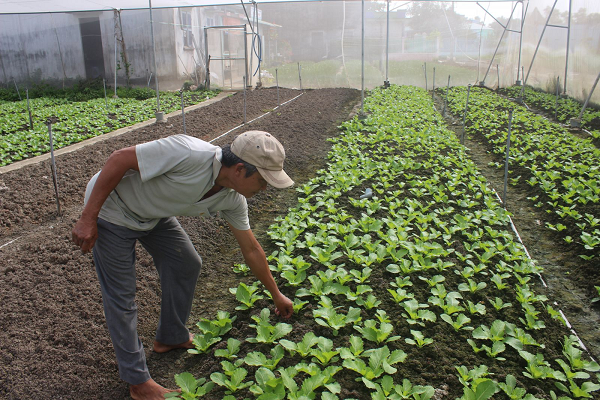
(265, 332)
(328, 317)
(217, 327)
(257, 358)
(232, 378)
(230, 353)
(377, 334)
(460, 323)
(203, 342)
(247, 295)
(267, 386)
(418, 339)
(302, 348)
(191, 388)
(355, 350)
(380, 361)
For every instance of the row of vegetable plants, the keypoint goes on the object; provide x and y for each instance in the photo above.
(73, 122)
(562, 169)
(563, 108)
(407, 283)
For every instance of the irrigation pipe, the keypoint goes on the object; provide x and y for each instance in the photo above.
(257, 118)
(514, 228)
(9, 242)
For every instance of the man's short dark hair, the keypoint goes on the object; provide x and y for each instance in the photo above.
(229, 159)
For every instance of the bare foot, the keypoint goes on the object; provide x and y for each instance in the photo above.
(163, 348)
(148, 390)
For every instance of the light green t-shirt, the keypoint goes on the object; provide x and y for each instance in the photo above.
(175, 172)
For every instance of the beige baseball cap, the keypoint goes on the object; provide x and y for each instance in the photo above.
(262, 150)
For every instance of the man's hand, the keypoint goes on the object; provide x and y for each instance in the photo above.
(284, 306)
(84, 234)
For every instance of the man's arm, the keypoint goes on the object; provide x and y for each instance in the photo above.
(255, 257)
(85, 231)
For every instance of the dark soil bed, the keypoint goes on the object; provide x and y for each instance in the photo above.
(53, 337)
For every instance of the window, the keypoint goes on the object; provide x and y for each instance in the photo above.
(186, 27)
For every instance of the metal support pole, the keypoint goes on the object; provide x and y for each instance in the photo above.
(577, 122)
(510, 113)
(498, 73)
(259, 45)
(246, 56)
(462, 139)
(17, 87)
(245, 82)
(523, 86)
(115, 95)
(539, 42)
(386, 83)
(300, 76)
(277, 84)
(446, 101)
(183, 112)
(105, 99)
(425, 72)
(362, 59)
(567, 54)
(518, 82)
(53, 167)
(433, 89)
(29, 110)
(160, 116)
(557, 97)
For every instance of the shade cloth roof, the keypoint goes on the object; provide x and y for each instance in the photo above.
(60, 6)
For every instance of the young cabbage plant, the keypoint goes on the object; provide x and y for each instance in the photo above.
(229, 353)
(265, 332)
(232, 377)
(355, 350)
(217, 327)
(369, 302)
(258, 359)
(247, 295)
(327, 316)
(473, 308)
(380, 361)
(418, 339)
(267, 385)
(499, 304)
(514, 392)
(378, 334)
(459, 323)
(203, 342)
(302, 348)
(538, 368)
(386, 389)
(415, 312)
(324, 353)
(191, 388)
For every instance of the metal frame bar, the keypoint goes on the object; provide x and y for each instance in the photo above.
(568, 27)
(499, 42)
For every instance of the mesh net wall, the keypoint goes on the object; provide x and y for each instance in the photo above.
(309, 44)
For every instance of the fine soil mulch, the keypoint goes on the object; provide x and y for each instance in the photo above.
(53, 337)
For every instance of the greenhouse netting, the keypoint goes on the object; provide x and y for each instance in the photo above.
(300, 44)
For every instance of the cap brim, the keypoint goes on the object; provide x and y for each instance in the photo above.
(278, 179)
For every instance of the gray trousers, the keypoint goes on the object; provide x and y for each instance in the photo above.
(178, 265)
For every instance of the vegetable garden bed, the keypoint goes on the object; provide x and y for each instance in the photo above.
(411, 284)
